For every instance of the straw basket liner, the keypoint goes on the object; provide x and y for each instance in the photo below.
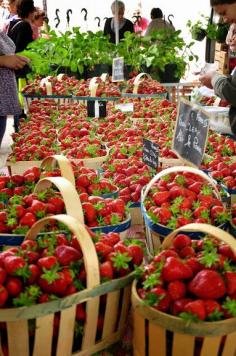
(155, 330)
(118, 296)
(157, 231)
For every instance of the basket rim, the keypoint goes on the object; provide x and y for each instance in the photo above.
(176, 324)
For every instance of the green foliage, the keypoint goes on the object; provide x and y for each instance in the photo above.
(78, 51)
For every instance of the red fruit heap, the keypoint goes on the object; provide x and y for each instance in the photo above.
(193, 279)
(182, 198)
(52, 267)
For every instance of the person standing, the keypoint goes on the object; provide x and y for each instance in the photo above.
(158, 23)
(231, 42)
(124, 24)
(224, 86)
(9, 104)
(140, 22)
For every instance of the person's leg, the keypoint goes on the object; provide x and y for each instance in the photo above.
(3, 124)
(16, 122)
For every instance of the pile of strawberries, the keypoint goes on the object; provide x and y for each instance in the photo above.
(52, 267)
(181, 198)
(193, 279)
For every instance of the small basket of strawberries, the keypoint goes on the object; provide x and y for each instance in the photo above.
(185, 300)
(178, 196)
(62, 294)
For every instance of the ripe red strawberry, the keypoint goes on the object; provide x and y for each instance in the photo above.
(161, 299)
(14, 286)
(207, 284)
(181, 241)
(213, 309)
(230, 281)
(197, 308)
(106, 270)
(3, 295)
(161, 197)
(178, 305)
(136, 252)
(175, 269)
(177, 289)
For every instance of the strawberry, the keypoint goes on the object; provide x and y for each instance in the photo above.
(181, 241)
(230, 281)
(3, 295)
(66, 255)
(175, 269)
(196, 308)
(14, 286)
(178, 305)
(213, 309)
(158, 298)
(161, 197)
(136, 252)
(207, 284)
(177, 289)
(106, 270)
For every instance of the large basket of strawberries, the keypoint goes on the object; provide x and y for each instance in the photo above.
(178, 196)
(184, 302)
(52, 297)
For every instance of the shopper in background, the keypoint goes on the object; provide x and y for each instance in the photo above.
(158, 22)
(231, 42)
(11, 16)
(20, 30)
(224, 86)
(9, 104)
(124, 24)
(3, 12)
(38, 22)
(140, 22)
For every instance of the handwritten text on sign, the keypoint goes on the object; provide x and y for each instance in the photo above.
(118, 69)
(150, 153)
(191, 132)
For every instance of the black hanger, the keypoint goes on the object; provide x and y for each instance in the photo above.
(57, 18)
(68, 13)
(99, 20)
(85, 13)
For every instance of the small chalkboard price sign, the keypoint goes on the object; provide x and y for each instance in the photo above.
(96, 108)
(118, 69)
(150, 153)
(191, 132)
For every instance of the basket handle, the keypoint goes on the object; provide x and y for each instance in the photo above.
(68, 192)
(180, 169)
(88, 249)
(207, 229)
(137, 81)
(48, 85)
(93, 84)
(104, 76)
(64, 165)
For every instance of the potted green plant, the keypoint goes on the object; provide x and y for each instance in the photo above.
(198, 29)
(167, 55)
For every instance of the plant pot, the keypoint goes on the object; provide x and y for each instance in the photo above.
(198, 34)
(168, 75)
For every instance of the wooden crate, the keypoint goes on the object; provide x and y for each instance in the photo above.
(23, 340)
(160, 334)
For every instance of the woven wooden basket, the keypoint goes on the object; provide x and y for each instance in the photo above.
(161, 334)
(156, 232)
(19, 336)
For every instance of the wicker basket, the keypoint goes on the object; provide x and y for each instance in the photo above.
(156, 232)
(161, 334)
(19, 335)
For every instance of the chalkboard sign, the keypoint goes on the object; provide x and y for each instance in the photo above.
(96, 108)
(191, 131)
(118, 69)
(150, 153)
